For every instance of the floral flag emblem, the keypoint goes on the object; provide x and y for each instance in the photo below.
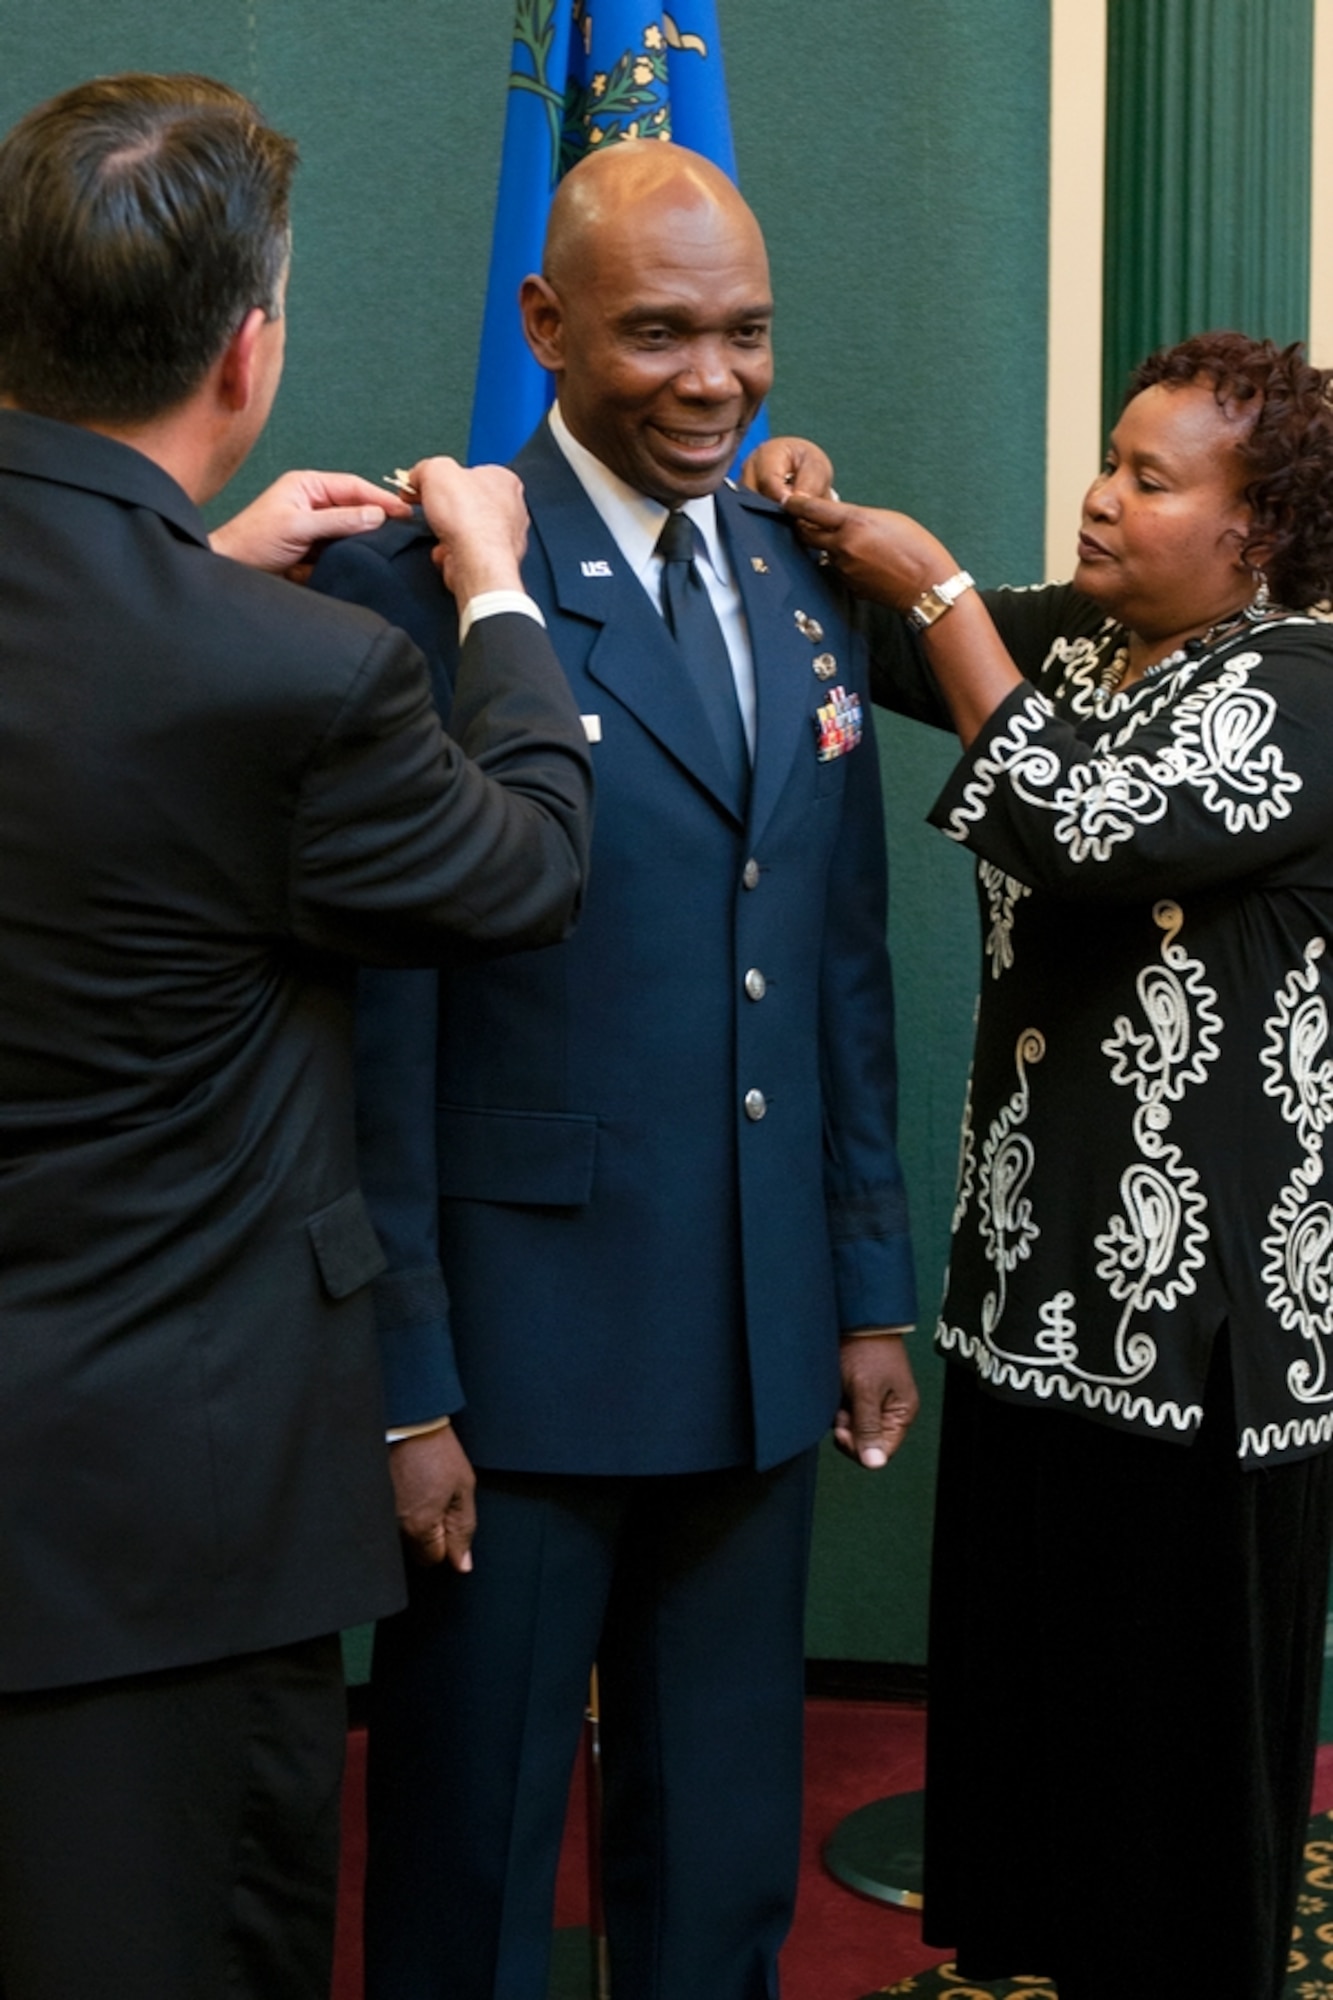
(583, 75)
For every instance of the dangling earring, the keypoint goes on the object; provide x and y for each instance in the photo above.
(1261, 603)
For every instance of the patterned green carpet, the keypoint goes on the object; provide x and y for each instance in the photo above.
(1309, 1973)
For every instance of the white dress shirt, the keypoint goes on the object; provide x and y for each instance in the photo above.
(634, 522)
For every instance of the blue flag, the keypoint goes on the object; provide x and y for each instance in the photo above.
(584, 74)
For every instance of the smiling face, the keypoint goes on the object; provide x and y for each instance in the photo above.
(655, 317)
(1165, 519)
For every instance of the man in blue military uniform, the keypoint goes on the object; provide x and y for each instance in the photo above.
(660, 1161)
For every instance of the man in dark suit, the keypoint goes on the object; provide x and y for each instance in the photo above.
(216, 787)
(661, 1165)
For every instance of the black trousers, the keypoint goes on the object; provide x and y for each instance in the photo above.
(1127, 1641)
(174, 1835)
(689, 1592)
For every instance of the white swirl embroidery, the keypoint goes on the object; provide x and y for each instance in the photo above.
(1059, 1328)
(1219, 744)
(1037, 1378)
(1298, 1249)
(1151, 1250)
(1081, 686)
(1081, 661)
(1006, 1164)
(1218, 747)
(1003, 895)
(1027, 721)
(967, 1164)
(1294, 1435)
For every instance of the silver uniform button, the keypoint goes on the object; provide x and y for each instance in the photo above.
(755, 983)
(755, 1105)
(825, 666)
(750, 874)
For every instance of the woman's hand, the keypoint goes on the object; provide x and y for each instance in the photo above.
(889, 557)
(784, 465)
(893, 559)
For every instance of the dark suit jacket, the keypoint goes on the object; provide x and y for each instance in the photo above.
(643, 1277)
(215, 785)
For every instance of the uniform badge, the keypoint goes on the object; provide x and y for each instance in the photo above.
(595, 568)
(758, 565)
(837, 725)
(809, 628)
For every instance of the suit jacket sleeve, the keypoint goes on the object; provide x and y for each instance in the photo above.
(864, 1190)
(405, 837)
(396, 1163)
(396, 1038)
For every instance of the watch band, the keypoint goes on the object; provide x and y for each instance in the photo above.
(939, 598)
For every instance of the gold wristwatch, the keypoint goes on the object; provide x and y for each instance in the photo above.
(940, 597)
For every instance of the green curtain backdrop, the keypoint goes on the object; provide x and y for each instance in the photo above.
(1207, 174)
(897, 157)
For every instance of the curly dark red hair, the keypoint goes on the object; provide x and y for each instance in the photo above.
(1288, 450)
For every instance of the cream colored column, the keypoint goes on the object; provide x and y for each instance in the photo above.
(1074, 323)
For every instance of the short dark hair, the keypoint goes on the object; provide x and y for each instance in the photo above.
(1288, 449)
(141, 218)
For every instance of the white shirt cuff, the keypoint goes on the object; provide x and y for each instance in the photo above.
(489, 603)
(402, 1431)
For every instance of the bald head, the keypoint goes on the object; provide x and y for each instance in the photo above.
(653, 311)
(628, 184)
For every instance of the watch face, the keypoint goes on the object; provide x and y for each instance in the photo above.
(939, 598)
(928, 607)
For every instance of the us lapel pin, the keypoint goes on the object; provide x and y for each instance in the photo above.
(595, 568)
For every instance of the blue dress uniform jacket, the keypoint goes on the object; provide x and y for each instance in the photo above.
(664, 1152)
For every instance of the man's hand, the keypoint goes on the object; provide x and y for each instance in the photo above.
(278, 530)
(434, 1490)
(481, 520)
(786, 465)
(879, 1398)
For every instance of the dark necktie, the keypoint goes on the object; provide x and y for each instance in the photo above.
(689, 613)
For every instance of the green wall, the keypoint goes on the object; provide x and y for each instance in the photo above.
(896, 153)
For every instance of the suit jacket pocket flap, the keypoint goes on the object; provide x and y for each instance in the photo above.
(542, 1157)
(347, 1249)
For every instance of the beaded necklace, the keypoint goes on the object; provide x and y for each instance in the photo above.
(1117, 666)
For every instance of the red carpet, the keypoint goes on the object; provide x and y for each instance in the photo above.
(842, 1945)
